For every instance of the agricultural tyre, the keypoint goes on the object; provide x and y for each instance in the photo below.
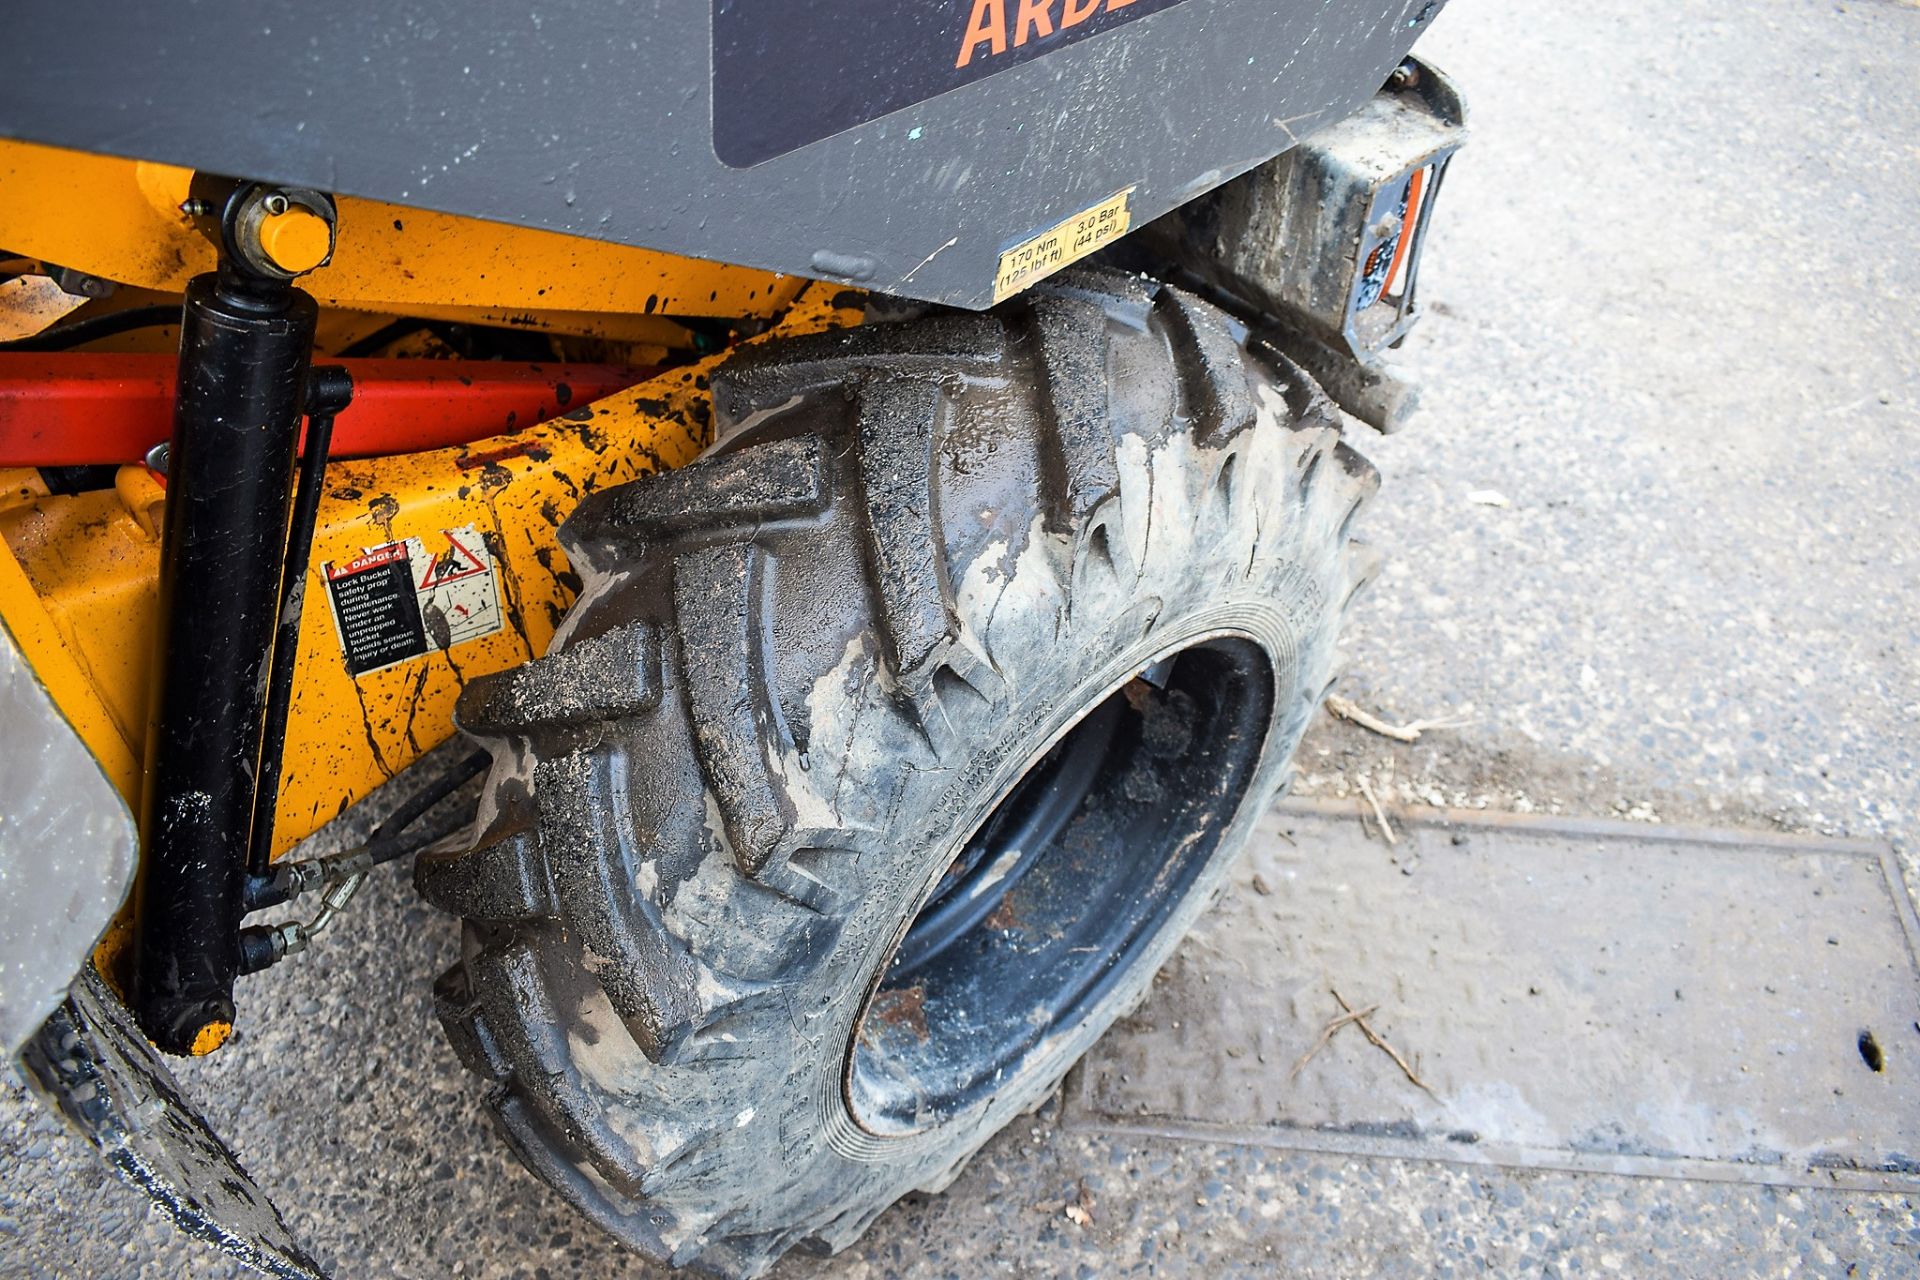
(889, 750)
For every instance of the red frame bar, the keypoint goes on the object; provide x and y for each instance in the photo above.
(61, 409)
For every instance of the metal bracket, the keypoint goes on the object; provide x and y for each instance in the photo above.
(95, 1067)
(1324, 241)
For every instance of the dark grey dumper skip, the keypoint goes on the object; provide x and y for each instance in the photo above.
(603, 120)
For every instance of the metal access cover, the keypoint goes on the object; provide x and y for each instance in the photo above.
(1596, 996)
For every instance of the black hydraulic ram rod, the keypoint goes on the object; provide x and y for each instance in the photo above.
(329, 390)
(246, 345)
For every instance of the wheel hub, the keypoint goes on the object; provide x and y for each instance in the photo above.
(1063, 886)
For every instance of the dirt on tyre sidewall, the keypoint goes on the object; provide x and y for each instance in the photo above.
(889, 750)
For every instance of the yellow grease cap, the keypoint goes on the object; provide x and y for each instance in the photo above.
(296, 240)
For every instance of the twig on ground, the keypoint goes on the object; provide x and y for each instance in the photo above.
(1326, 1036)
(1347, 709)
(1386, 828)
(1377, 1041)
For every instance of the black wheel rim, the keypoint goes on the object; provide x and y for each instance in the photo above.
(1062, 889)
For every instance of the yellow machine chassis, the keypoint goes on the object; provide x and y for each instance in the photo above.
(122, 220)
(78, 573)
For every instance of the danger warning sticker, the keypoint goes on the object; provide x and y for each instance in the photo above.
(403, 600)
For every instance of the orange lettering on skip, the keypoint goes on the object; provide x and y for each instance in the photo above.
(1077, 12)
(988, 26)
(1033, 17)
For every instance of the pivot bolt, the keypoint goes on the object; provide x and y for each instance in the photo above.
(294, 239)
(278, 233)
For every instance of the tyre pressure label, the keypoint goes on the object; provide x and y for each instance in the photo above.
(790, 72)
(403, 600)
(1054, 248)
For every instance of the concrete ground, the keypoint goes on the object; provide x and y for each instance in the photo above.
(1673, 325)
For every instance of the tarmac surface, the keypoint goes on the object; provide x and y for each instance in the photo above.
(1672, 328)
